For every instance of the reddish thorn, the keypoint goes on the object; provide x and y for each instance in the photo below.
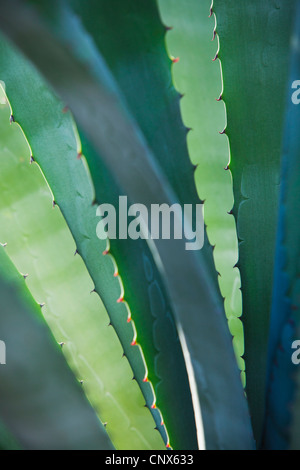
(133, 343)
(145, 379)
(215, 58)
(79, 155)
(226, 167)
(175, 60)
(214, 35)
(116, 274)
(222, 132)
(153, 406)
(65, 109)
(220, 98)
(168, 446)
(162, 423)
(105, 252)
(120, 299)
(129, 319)
(169, 28)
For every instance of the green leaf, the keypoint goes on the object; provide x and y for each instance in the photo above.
(116, 136)
(40, 243)
(131, 38)
(41, 402)
(146, 299)
(55, 142)
(198, 78)
(254, 41)
(136, 54)
(282, 417)
(115, 27)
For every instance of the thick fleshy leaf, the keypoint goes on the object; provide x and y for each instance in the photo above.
(254, 49)
(282, 417)
(198, 78)
(115, 28)
(42, 403)
(40, 244)
(135, 55)
(147, 303)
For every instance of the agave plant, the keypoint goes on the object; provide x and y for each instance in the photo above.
(111, 100)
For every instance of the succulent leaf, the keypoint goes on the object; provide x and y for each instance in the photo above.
(162, 126)
(254, 49)
(282, 402)
(33, 103)
(39, 243)
(190, 39)
(42, 403)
